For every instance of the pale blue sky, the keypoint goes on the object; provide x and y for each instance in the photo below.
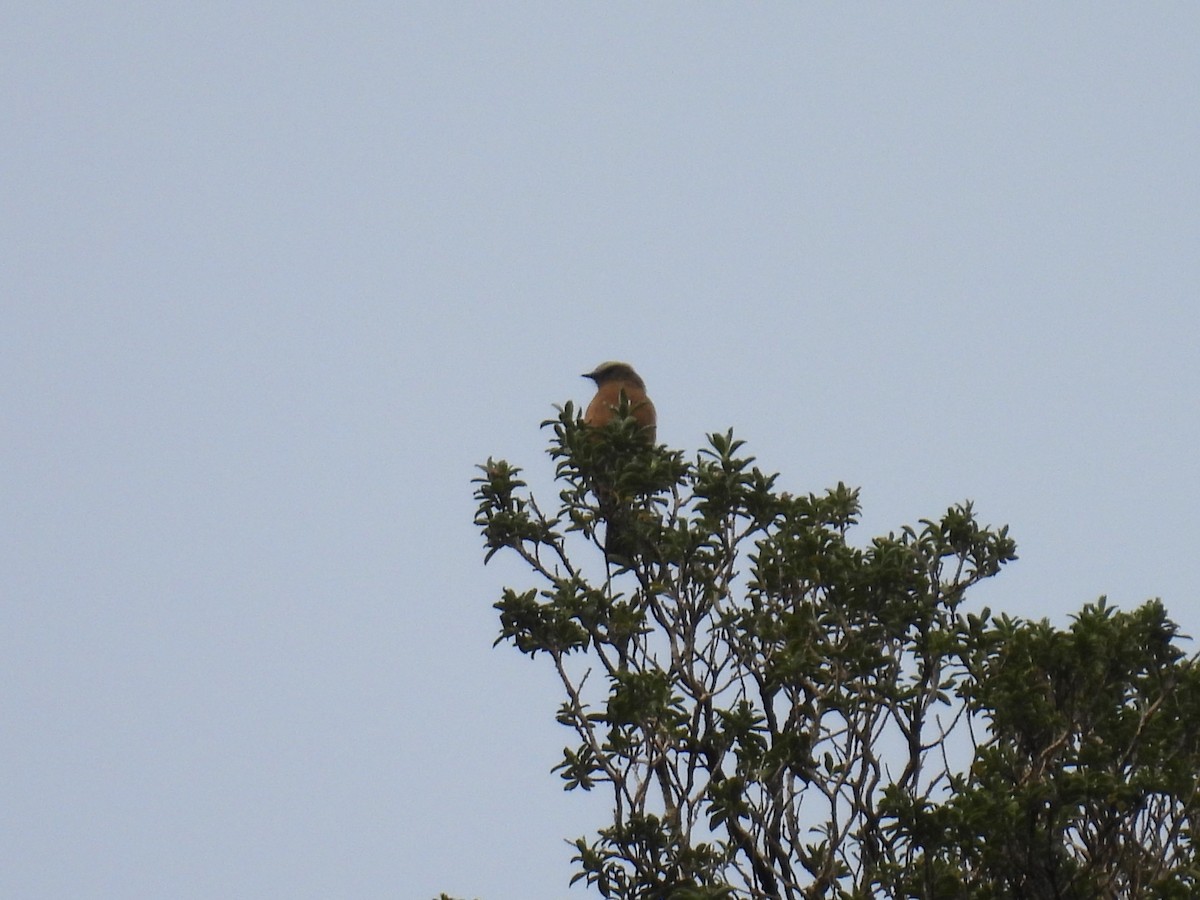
(275, 276)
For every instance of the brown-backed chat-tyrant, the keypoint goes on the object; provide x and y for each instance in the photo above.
(613, 378)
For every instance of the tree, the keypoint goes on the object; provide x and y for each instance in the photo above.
(781, 713)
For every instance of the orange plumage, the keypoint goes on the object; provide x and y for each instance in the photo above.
(613, 378)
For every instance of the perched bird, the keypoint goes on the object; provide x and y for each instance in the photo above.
(613, 378)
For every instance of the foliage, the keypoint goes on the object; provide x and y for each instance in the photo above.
(781, 713)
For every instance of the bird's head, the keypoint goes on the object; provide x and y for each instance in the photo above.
(615, 371)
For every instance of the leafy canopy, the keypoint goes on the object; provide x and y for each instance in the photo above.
(780, 712)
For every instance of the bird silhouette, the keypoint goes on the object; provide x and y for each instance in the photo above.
(616, 381)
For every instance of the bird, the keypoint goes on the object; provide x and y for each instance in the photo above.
(612, 379)
(615, 380)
